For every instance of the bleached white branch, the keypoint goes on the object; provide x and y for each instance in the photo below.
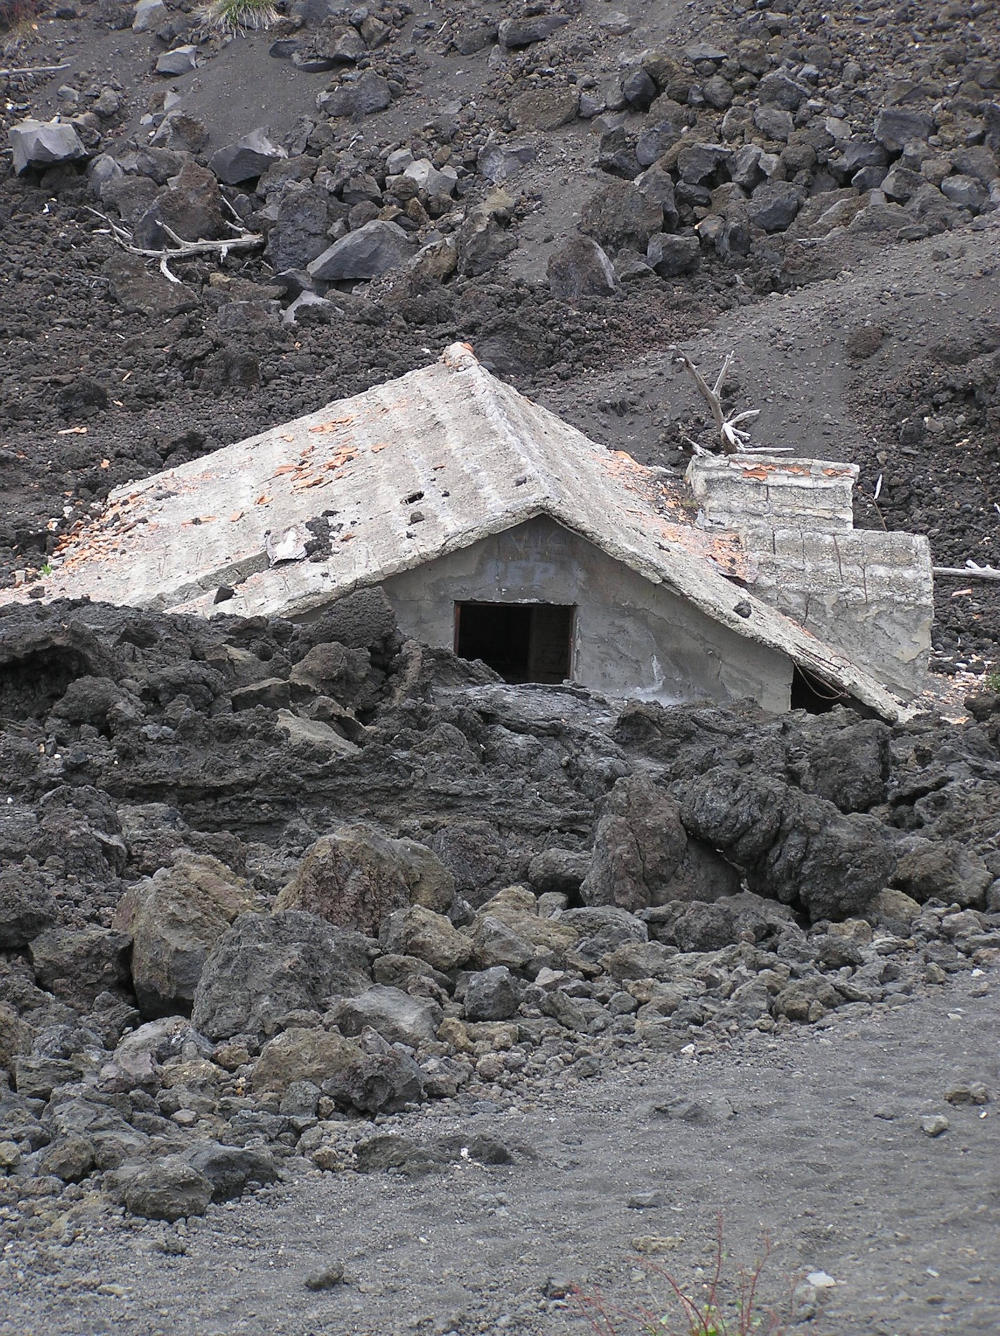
(733, 439)
(180, 249)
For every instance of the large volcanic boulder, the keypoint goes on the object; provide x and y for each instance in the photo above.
(357, 877)
(175, 918)
(643, 855)
(792, 846)
(264, 967)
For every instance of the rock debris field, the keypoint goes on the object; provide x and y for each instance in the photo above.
(345, 988)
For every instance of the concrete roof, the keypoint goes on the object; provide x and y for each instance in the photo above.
(408, 471)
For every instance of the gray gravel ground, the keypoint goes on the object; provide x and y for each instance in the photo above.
(813, 1137)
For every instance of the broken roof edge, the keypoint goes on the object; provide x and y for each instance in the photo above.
(457, 357)
(787, 637)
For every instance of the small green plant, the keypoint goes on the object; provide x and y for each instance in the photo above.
(240, 15)
(47, 568)
(992, 680)
(723, 1309)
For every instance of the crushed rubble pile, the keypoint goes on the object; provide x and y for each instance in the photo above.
(267, 889)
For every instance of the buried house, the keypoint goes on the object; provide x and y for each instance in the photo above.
(500, 531)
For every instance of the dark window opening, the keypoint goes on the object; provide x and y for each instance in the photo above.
(811, 693)
(523, 642)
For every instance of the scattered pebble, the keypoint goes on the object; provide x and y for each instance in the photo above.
(327, 1277)
(934, 1124)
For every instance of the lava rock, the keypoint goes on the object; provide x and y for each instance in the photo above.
(340, 44)
(247, 159)
(671, 256)
(181, 60)
(642, 855)
(150, 15)
(709, 927)
(181, 131)
(262, 968)
(902, 183)
(896, 127)
(433, 180)
(603, 929)
(620, 215)
(544, 108)
(139, 1056)
(779, 90)
(363, 97)
(654, 141)
(491, 995)
(371, 250)
(639, 90)
(559, 870)
(944, 870)
(170, 1190)
(792, 847)
(700, 162)
(36, 1077)
(774, 123)
(27, 906)
(393, 1014)
(230, 1169)
(70, 1158)
(483, 240)
(508, 930)
(369, 1075)
(429, 936)
(514, 34)
(497, 162)
(42, 143)
(190, 206)
(617, 153)
(964, 191)
(175, 918)
(357, 876)
(580, 268)
(299, 1054)
(79, 963)
(774, 204)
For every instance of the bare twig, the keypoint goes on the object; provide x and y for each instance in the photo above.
(34, 69)
(181, 249)
(732, 437)
(968, 572)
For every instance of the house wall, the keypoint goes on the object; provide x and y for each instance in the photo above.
(631, 637)
(868, 594)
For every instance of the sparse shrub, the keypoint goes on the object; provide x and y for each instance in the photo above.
(17, 18)
(726, 1307)
(240, 15)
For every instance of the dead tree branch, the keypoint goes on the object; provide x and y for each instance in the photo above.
(33, 69)
(181, 249)
(732, 438)
(967, 572)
